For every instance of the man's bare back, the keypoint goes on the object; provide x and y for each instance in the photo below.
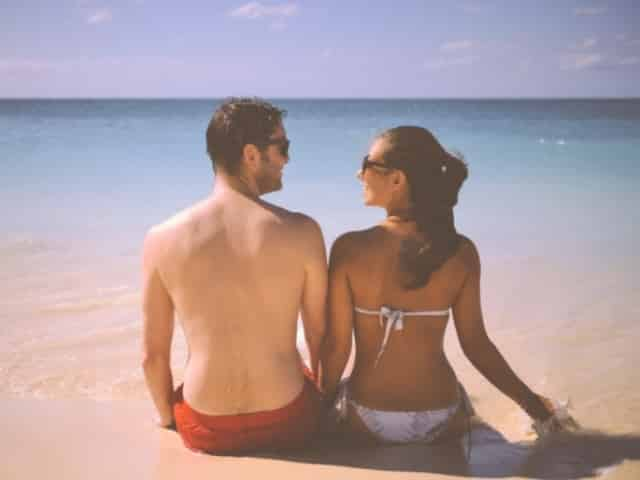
(235, 269)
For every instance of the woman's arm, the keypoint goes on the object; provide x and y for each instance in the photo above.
(480, 350)
(337, 343)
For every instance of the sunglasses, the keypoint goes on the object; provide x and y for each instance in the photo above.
(366, 163)
(282, 144)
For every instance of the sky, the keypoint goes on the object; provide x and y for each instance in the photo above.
(319, 48)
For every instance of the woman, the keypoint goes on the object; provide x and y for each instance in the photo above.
(393, 285)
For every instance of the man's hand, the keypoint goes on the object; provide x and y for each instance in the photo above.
(169, 424)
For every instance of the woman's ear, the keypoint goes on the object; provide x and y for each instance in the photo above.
(399, 179)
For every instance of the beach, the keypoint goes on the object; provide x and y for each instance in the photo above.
(549, 204)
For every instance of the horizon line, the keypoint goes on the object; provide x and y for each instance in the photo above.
(603, 97)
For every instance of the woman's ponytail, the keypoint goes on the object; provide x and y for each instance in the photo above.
(435, 177)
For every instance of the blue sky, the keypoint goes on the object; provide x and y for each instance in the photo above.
(315, 48)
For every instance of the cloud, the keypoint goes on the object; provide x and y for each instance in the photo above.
(582, 62)
(628, 61)
(255, 10)
(584, 44)
(589, 11)
(443, 63)
(456, 46)
(593, 61)
(101, 16)
(589, 43)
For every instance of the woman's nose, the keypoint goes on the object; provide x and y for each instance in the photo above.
(359, 174)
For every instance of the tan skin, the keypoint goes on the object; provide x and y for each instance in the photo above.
(236, 270)
(413, 373)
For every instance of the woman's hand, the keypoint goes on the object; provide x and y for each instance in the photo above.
(549, 407)
(556, 418)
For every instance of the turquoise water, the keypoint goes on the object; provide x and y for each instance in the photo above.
(546, 175)
(551, 181)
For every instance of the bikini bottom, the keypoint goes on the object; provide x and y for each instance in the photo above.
(403, 426)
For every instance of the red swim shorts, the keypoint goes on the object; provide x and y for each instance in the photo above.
(287, 427)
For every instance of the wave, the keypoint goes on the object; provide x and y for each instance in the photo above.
(559, 141)
(119, 298)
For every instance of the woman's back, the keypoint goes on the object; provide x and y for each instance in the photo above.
(395, 287)
(409, 370)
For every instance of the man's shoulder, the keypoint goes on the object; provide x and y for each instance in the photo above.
(293, 219)
(301, 232)
(305, 232)
(174, 222)
(305, 222)
(170, 228)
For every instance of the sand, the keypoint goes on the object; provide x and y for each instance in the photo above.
(80, 439)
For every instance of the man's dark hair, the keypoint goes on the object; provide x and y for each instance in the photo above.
(238, 122)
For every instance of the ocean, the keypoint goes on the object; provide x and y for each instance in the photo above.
(551, 202)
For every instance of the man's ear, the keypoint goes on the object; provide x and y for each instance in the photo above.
(250, 157)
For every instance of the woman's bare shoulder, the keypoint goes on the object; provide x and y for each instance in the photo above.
(468, 254)
(350, 243)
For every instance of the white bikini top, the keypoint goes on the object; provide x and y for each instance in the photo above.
(392, 319)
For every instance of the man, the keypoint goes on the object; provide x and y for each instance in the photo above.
(238, 271)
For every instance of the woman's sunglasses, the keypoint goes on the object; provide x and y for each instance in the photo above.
(282, 144)
(366, 163)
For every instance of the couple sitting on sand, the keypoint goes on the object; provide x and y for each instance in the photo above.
(238, 270)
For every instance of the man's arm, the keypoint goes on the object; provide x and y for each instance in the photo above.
(314, 292)
(157, 331)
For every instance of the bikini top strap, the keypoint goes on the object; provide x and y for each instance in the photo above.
(393, 319)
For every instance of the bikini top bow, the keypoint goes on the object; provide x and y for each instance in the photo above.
(393, 319)
(390, 319)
